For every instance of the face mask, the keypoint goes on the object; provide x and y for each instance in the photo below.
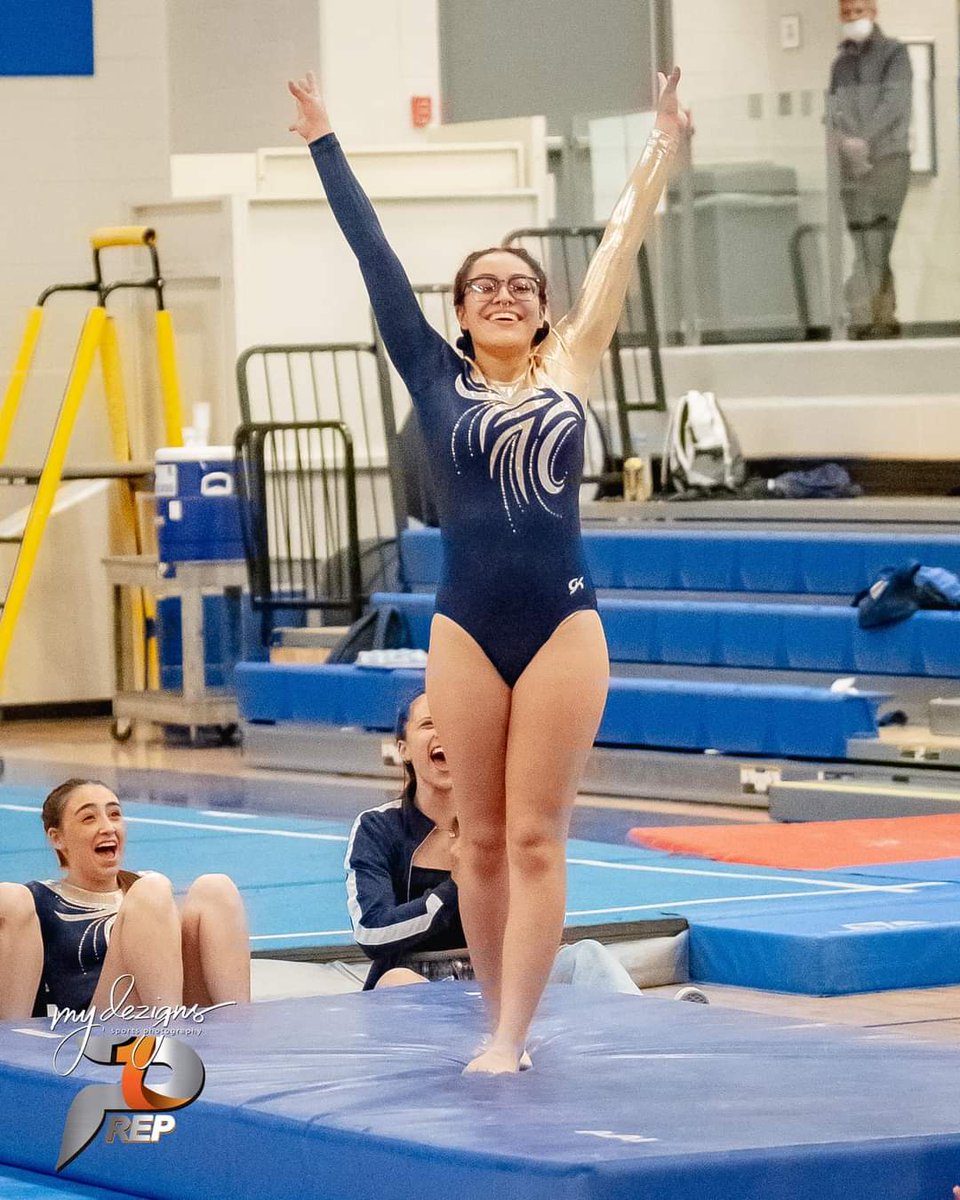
(857, 31)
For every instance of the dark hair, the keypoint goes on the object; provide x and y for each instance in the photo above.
(52, 812)
(409, 791)
(465, 341)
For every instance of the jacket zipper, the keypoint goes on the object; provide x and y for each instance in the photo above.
(410, 867)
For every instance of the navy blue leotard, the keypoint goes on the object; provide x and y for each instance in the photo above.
(75, 928)
(506, 470)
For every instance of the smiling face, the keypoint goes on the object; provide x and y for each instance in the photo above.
(90, 837)
(500, 323)
(420, 747)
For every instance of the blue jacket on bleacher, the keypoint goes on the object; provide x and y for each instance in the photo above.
(396, 908)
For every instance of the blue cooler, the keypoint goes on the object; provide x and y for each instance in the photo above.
(198, 511)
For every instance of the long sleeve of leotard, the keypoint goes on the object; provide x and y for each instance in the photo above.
(585, 332)
(413, 345)
(383, 926)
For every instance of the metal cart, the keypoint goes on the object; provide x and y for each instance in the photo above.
(195, 705)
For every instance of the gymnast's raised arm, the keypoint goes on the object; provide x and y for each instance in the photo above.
(585, 332)
(412, 343)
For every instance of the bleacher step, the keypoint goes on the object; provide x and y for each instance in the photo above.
(774, 637)
(914, 744)
(306, 644)
(668, 714)
(786, 562)
(848, 800)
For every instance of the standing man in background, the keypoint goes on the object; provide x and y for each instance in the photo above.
(869, 109)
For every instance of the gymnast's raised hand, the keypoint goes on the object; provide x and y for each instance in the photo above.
(312, 121)
(671, 117)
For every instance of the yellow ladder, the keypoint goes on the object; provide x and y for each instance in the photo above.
(98, 336)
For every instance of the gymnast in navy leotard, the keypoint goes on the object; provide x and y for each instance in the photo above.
(517, 669)
(506, 468)
(101, 934)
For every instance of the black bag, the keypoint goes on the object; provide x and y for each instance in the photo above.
(379, 629)
(419, 493)
(899, 592)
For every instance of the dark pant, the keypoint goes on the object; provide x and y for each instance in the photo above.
(873, 204)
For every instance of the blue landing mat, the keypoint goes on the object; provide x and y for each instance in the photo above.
(361, 1097)
(942, 870)
(27, 1185)
(832, 946)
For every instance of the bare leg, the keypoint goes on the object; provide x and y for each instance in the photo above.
(145, 943)
(21, 952)
(216, 946)
(557, 705)
(399, 977)
(470, 705)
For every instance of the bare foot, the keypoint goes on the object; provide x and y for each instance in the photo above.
(525, 1064)
(495, 1060)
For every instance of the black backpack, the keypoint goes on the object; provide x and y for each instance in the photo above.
(379, 629)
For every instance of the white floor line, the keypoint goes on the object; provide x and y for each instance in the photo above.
(270, 937)
(664, 905)
(660, 905)
(283, 833)
(212, 812)
(824, 883)
(830, 887)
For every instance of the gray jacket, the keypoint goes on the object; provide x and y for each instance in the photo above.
(871, 94)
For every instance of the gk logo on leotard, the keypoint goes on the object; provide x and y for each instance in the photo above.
(141, 1113)
(576, 585)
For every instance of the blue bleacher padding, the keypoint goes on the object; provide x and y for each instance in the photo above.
(803, 563)
(787, 721)
(333, 695)
(743, 719)
(775, 637)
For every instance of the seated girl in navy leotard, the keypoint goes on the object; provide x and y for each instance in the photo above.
(64, 942)
(517, 669)
(402, 862)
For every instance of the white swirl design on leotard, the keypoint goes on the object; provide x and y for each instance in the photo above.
(521, 438)
(92, 947)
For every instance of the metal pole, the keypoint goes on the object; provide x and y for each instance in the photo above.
(686, 226)
(835, 231)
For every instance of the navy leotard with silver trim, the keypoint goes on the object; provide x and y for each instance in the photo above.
(75, 927)
(506, 470)
(513, 564)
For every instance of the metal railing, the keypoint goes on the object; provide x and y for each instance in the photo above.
(346, 382)
(565, 253)
(297, 484)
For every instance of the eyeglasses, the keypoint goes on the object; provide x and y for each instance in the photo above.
(520, 287)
